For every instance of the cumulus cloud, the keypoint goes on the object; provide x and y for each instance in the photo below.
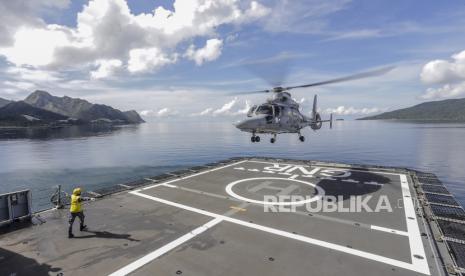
(24, 73)
(142, 60)
(444, 71)
(107, 30)
(23, 13)
(448, 73)
(227, 109)
(446, 91)
(204, 112)
(20, 85)
(164, 112)
(342, 110)
(210, 52)
(106, 67)
(245, 109)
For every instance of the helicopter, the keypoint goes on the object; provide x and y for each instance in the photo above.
(281, 113)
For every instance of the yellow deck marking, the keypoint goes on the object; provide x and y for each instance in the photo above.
(238, 208)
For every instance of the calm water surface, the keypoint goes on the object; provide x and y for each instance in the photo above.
(96, 158)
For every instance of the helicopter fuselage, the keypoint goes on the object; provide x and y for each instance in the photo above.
(287, 120)
(280, 114)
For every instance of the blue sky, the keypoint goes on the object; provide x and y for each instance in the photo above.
(168, 66)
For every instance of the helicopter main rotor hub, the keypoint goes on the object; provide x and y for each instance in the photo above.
(278, 89)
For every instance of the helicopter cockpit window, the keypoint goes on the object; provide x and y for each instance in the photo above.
(251, 111)
(264, 109)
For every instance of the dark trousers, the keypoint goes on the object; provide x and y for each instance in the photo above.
(72, 217)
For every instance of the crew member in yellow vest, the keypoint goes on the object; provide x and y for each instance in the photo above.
(76, 211)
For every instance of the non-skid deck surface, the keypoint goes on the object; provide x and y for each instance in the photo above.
(221, 222)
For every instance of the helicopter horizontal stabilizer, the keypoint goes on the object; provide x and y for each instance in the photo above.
(330, 121)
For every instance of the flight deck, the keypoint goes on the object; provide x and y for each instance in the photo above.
(252, 216)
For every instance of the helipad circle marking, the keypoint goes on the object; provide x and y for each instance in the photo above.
(320, 190)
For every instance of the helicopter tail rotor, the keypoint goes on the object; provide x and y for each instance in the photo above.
(331, 121)
(317, 122)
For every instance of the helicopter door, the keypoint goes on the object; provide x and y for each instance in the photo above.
(272, 115)
(276, 113)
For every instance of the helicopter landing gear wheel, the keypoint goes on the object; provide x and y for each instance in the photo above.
(273, 139)
(252, 139)
(257, 139)
(301, 138)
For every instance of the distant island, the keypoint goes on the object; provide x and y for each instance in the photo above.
(43, 109)
(446, 110)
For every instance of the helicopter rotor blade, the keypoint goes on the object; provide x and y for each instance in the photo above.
(250, 92)
(362, 75)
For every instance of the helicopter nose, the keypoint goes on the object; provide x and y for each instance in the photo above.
(239, 125)
(242, 125)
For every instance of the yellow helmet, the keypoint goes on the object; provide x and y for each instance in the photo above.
(77, 191)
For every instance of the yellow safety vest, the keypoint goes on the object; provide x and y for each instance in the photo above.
(76, 206)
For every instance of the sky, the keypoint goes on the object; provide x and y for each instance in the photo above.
(186, 58)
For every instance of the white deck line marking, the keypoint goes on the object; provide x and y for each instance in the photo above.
(336, 247)
(153, 186)
(165, 249)
(350, 180)
(389, 230)
(314, 171)
(373, 183)
(268, 172)
(192, 175)
(372, 227)
(294, 176)
(414, 237)
(169, 185)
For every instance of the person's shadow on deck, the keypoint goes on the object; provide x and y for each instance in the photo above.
(105, 235)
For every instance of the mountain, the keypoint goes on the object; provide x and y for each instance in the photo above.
(4, 102)
(23, 114)
(446, 110)
(81, 109)
(133, 117)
